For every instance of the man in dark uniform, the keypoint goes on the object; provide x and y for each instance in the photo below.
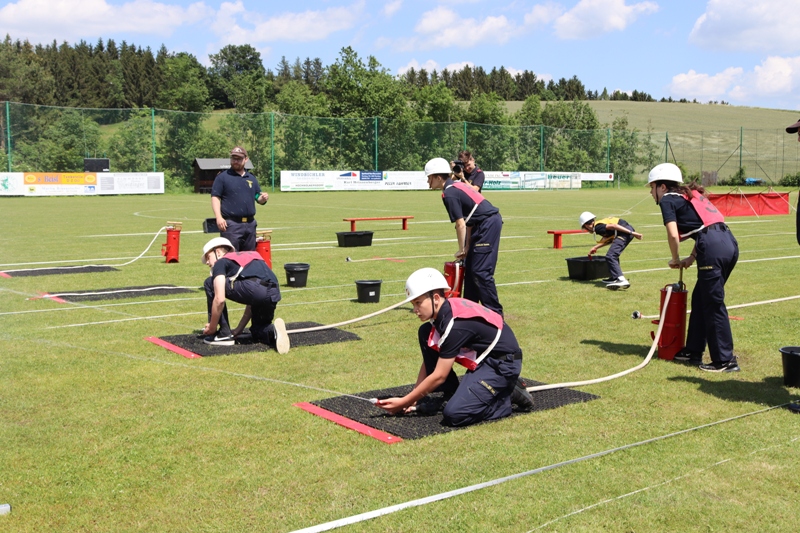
(233, 196)
(687, 214)
(245, 278)
(459, 330)
(478, 224)
(795, 128)
(470, 174)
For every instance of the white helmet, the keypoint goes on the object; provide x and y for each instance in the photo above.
(424, 281)
(438, 165)
(665, 172)
(585, 217)
(216, 242)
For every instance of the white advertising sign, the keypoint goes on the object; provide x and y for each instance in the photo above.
(80, 183)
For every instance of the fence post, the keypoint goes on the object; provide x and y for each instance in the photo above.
(8, 133)
(666, 147)
(153, 135)
(465, 135)
(376, 143)
(272, 148)
(608, 150)
(741, 141)
(541, 148)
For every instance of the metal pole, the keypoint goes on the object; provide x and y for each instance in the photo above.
(272, 147)
(541, 148)
(666, 147)
(376, 143)
(741, 141)
(153, 135)
(8, 133)
(608, 149)
(465, 135)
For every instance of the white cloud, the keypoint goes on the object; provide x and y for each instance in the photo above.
(747, 25)
(590, 18)
(444, 28)
(392, 7)
(70, 20)
(308, 25)
(430, 65)
(453, 67)
(704, 86)
(542, 14)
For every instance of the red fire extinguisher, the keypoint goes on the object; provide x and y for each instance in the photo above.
(673, 334)
(171, 248)
(454, 275)
(264, 246)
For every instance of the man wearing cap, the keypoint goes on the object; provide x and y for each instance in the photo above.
(245, 278)
(233, 196)
(478, 224)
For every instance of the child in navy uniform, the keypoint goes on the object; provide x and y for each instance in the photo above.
(617, 233)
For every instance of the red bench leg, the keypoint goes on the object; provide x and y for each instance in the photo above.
(352, 225)
(405, 224)
(557, 241)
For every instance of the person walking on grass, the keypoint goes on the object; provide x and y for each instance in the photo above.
(245, 278)
(615, 232)
(462, 331)
(687, 214)
(795, 128)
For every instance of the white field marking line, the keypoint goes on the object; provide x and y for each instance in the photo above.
(153, 317)
(78, 261)
(657, 485)
(457, 492)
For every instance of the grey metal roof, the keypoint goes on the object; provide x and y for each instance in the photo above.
(218, 164)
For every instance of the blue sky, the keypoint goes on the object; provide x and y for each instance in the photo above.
(740, 51)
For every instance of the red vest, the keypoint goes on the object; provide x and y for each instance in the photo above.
(463, 308)
(243, 258)
(474, 195)
(707, 212)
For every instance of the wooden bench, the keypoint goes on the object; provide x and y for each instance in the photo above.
(558, 233)
(353, 221)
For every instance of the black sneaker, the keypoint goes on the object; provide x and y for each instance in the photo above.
(429, 405)
(726, 366)
(608, 280)
(220, 339)
(689, 358)
(521, 397)
(794, 407)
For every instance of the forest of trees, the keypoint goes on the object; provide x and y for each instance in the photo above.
(140, 89)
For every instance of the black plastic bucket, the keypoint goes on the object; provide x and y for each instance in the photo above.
(350, 239)
(791, 365)
(369, 291)
(585, 268)
(296, 274)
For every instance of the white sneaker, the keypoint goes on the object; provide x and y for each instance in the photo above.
(282, 342)
(621, 283)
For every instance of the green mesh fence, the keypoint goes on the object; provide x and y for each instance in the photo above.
(42, 139)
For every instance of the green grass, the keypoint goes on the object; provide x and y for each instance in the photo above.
(103, 431)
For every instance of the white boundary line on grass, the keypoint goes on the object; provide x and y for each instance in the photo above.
(657, 485)
(327, 526)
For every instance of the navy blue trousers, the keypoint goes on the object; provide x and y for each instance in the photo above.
(247, 292)
(483, 394)
(620, 242)
(717, 254)
(241, 234)
(481, 261)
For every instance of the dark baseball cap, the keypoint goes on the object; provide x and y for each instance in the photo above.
(239, 151)
(794, 127)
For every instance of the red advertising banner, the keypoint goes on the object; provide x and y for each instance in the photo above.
(739, 204)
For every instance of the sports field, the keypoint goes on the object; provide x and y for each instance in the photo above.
(104, 431)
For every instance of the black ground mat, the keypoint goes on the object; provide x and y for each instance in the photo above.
(244, 344)
(58, 270)
(413, 426)
(120, 292)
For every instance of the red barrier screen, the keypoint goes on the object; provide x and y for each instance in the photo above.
(739, 204)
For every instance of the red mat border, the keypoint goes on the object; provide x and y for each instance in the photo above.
(171, 347)
(54, 298)
(4, 275)
(382, 436)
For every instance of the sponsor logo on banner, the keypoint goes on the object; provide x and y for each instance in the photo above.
(371, 175)
(349, 175)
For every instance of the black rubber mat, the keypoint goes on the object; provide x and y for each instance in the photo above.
(57, 271)
(413, 426)
(120, 292)
(244, 344)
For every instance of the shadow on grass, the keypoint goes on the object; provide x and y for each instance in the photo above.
(769, 391)
(618, 348)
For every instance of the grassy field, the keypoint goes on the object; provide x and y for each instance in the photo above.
(103, 431)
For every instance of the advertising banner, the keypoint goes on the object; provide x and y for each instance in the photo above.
(80, 183)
